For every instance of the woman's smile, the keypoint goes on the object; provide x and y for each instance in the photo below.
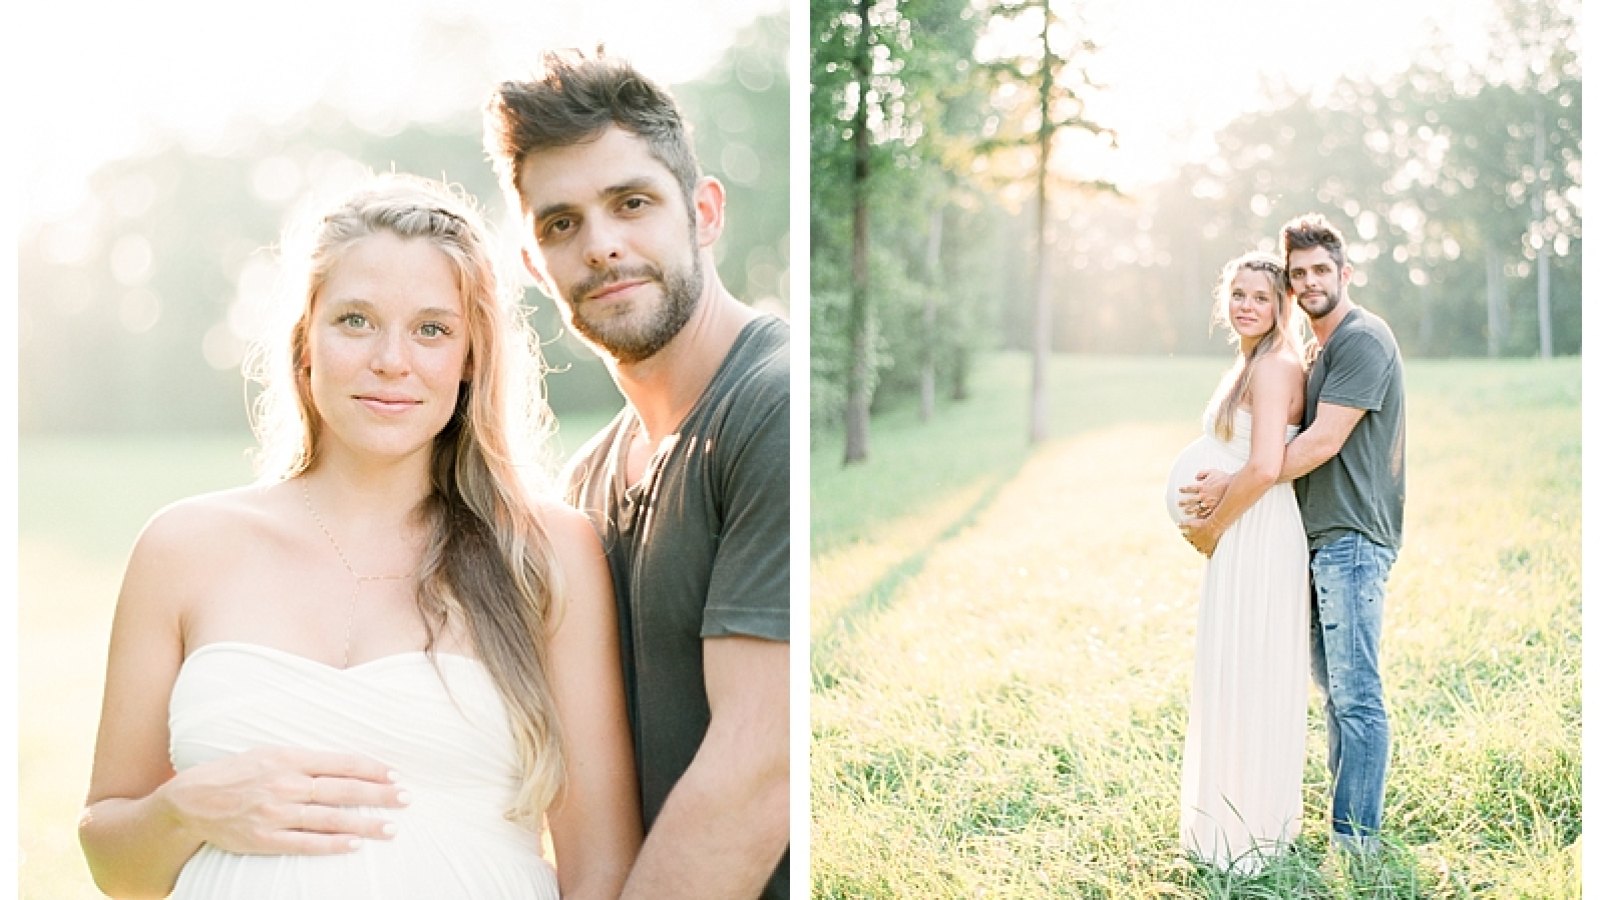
(387, 404)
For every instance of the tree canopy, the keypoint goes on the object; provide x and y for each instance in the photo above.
(1458, 187)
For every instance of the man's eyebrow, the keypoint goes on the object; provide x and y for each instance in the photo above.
(642, 183)
(633, 186)
(549, 211)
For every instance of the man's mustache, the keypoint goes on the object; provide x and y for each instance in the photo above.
(606, 277)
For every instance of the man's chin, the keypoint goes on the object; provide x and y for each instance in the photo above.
(614, 344)
(1318, 308)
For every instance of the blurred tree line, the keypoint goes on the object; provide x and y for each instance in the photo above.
(1457, 185)
(134, 312)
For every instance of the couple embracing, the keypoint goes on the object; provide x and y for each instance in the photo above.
(1294, 493)
(384, 669)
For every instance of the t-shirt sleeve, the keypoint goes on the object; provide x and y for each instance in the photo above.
(749, 591)
(1359, 376)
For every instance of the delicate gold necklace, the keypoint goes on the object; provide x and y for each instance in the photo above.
(355, 594)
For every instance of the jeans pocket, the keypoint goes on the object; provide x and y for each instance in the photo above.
(1341, 554)
(1370, 574)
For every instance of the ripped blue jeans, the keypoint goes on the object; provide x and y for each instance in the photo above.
(1348, 578)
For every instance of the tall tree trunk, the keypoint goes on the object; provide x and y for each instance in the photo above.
(1425, 316)
(858, 397)
(1546, 341)
(1495, 290)
(1197, 315)
(930, 312)
(1546, 345)
(1038, 418)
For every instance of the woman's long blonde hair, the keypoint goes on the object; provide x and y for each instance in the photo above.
(1288, 325)
(488, 560)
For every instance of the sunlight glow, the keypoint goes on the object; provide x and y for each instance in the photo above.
(216, 74)
(1176, 72)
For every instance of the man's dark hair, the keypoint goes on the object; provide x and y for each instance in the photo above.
(574, 99)
(1312, 230)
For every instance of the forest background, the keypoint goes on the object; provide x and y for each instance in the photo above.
(937, 234)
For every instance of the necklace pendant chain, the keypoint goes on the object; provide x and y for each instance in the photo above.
(355, 593)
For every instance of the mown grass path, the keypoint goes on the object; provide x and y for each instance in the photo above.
(1002, 643)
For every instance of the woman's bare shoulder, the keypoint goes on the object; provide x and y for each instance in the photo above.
(578, 551)
(584, 575)
(1282, 365)
(212, 522)
(187, 548)
(569, 529)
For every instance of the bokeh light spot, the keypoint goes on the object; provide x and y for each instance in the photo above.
(222, 348)
(131, 258)
(139, 310)
(133, 195)
(740, 163)
(276, 180)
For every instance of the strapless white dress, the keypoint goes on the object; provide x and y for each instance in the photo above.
(1244, 754)
(445, 731)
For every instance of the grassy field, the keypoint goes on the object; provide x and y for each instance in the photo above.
(1002, 644)
(81, 502)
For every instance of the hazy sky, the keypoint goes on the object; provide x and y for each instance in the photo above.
(1177, 71)
(109, 74)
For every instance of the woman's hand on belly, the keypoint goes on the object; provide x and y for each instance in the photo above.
(284, 800)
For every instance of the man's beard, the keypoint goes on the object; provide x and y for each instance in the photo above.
(1330, 299)
(629, 341)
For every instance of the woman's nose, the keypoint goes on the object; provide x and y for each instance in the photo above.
(391, 356)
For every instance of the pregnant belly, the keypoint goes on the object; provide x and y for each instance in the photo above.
(1202, 453)
(423, 860)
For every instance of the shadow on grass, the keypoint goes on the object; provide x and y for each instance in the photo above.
(886, 590)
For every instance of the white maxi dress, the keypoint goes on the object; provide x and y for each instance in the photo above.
(443, 729)
(1244, 754)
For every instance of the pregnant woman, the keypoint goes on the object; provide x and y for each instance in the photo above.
(1245, 749)
(379, 670)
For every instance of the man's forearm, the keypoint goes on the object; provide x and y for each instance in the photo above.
(721, 834)
(1321, 442)
(1305, 453)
